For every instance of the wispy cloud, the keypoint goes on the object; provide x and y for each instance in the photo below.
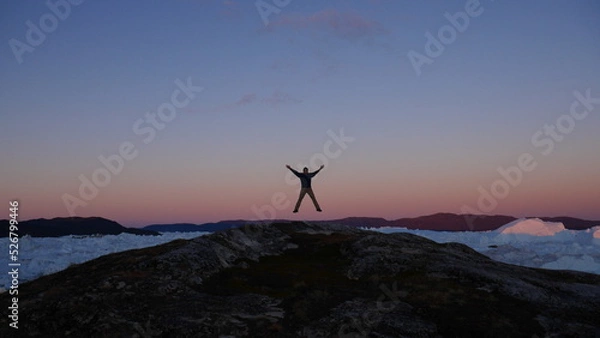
(275, 99)
(279, 97)
(344, 25)
(246, 99)
(329, 65)
(282, 64)
(232, 9)
(327, 24)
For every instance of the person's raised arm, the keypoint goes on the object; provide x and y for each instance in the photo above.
(292, 169)
(320, 168)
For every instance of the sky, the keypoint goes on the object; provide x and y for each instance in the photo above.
(189, 110)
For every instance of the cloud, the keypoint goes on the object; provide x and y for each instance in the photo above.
(275, 99)
(329, 65)
(344, 25)
(232, 9)
(230, 4)
(327, 24)
(246, 99)
(279, 97)
(283, 64)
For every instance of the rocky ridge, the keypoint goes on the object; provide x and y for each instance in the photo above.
(309, 280)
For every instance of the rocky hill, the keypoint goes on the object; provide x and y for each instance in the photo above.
(453, 222)
(64, 226)
(189, 227)
(306, 280)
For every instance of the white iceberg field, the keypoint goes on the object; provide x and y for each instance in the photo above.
(526, 242)
(41, 256)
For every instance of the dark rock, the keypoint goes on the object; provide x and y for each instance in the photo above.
(572, 223)
(65, 226)
(297, 279)
(453, 222)
(188, 227)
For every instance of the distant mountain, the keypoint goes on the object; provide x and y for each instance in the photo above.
(58, 227)
(224, 225)
(360, 222)
(438, 222)
(176, 227)
(306, 280)
(453, 222)
(571, 222)
(189, 227)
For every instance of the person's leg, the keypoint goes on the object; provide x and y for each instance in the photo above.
(314, 199)
(302, 193)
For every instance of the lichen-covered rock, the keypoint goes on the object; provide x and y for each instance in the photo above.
(307, 280)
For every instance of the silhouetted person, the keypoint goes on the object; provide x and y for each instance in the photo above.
(305, 178)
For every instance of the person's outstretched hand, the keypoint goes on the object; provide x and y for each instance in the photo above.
(322, 166)
(288, 166)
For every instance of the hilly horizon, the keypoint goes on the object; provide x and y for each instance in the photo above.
(60, 226)
(437, 221)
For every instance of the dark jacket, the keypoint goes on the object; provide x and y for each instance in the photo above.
(305, 178)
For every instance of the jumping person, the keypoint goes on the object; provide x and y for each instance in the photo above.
(305, 178)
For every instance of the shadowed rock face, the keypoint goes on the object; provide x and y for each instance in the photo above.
(65, 226)
(297, 279)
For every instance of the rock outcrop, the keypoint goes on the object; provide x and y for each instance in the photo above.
(306, 280)
(65, 226)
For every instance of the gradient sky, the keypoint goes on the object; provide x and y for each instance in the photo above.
(273, 94)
